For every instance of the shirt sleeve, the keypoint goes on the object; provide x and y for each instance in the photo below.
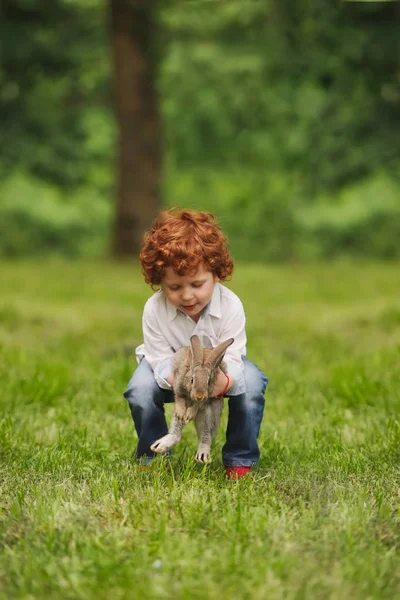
(235, 327)
(156, 349)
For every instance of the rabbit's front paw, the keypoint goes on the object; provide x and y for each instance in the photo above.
(190, 414)
(180, 413)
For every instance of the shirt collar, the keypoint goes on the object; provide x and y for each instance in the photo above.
(172, 311)
(213, 308)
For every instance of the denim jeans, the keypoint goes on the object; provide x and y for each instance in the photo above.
(146, 401)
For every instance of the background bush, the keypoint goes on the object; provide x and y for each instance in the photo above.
(37, 218)
(282, 119)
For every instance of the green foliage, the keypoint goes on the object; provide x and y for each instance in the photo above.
(266, 217)
(282, 119)
(39, 219)
(54, 74)
(319, 520)
(364, 220)
(312, 88)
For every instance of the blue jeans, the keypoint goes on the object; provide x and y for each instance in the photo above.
(146, 401)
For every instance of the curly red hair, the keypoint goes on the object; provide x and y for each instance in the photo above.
(183, 240)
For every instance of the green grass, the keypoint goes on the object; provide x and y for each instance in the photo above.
(320, 519)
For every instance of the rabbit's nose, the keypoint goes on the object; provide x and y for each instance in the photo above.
(199, 397)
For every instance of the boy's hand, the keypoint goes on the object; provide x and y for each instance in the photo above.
(170, 379)
(220, 384)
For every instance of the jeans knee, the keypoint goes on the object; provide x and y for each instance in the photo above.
(142, 387)
(136, 395)
(256, 380)
(249, 402)
(261, 385)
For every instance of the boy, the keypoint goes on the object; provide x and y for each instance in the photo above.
(185, 253)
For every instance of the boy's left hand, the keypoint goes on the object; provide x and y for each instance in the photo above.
(220, 384)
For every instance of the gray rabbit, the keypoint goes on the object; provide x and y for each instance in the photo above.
(195, 371)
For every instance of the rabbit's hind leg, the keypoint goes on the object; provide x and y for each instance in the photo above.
(173, 436)
(206, 423)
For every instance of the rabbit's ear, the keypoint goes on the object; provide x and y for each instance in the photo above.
(217, 354)
(197, 351)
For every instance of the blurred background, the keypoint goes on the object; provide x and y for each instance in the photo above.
(281, 117)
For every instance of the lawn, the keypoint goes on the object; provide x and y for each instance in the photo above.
(320, 518)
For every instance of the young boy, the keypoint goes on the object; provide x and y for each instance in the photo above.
(185, 253)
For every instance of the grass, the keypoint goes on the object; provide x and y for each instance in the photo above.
(319, 520)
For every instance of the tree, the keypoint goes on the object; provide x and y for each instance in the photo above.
(133, 35)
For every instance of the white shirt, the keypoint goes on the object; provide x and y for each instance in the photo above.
(166, 329)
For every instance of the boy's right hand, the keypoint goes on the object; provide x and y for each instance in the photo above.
(170, 379)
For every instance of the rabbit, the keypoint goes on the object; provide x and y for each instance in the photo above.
(195, 371)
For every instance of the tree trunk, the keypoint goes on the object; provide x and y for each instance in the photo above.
(133, 33)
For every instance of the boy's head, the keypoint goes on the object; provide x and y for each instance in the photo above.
(184, 241)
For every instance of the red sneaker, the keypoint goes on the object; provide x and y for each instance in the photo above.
(141, 467)
(236, 472)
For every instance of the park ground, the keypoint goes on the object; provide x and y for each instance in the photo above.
(320, 518)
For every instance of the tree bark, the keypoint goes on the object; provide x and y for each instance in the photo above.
(133, 34)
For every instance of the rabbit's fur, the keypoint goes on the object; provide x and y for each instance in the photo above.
(195, 371)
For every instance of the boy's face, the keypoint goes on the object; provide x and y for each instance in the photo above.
(189, 293)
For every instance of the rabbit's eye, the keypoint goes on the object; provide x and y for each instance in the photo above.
(192, 380)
